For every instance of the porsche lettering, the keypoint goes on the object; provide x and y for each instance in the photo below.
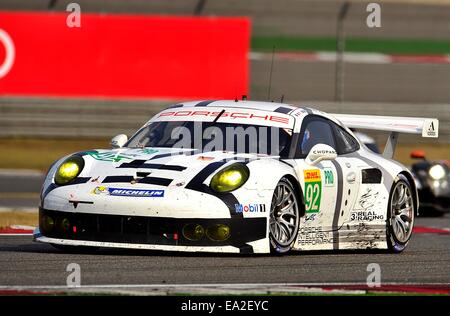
(233, 115)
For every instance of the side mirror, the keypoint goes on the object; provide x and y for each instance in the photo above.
(320, 152)
(118, 141)
(417, 154)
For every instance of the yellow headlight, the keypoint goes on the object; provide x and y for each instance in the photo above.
(193, 232)
(218, 232)
(47, 224)
(230, 178)
(69, 170)
(64, 225)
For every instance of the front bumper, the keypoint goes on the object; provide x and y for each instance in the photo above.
(140, 232)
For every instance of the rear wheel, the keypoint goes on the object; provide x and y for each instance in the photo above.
(284, 217)
(400, 215)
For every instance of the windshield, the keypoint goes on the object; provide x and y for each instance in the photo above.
(210, 136)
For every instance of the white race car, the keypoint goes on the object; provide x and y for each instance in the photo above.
(238, 177)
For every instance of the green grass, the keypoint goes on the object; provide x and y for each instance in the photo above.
(39, 153)
(388, 46)
(18, 218)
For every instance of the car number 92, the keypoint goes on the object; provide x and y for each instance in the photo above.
(313, 190)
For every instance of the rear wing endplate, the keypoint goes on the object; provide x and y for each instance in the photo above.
(426, 127)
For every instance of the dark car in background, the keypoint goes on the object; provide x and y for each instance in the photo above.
(433, 183)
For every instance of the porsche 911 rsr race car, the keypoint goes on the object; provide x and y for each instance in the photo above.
(238, 177)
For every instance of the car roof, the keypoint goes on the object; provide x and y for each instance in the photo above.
(257, 105)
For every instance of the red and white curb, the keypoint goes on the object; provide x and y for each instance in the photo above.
(16, 230)
(431, 230)
(349, 57)
(234, 289)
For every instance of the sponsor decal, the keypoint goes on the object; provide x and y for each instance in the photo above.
(310, 236)
(101, 190)
(313, 190)
(324, 152)
(232, 115)
(109, 156)
(365, 216)
(329, 177)
(430, 128)
(310, 217)
(250, 208)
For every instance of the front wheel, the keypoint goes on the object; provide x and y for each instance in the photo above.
(400, 215)
(284, 217)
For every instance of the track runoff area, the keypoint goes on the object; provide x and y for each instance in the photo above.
(40, 269)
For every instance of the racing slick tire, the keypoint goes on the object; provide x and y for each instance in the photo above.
(284, 217)
(400, 215)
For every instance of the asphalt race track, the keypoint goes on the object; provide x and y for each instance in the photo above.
(20, 190)
(24, 263)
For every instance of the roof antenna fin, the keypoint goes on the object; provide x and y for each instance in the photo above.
(270, 74)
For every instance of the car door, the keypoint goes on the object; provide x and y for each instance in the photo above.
(349, 181)
(319, 185)
(328, 186)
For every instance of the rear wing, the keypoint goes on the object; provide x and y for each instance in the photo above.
(427, 127)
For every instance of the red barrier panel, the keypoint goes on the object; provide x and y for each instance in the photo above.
(123, 56)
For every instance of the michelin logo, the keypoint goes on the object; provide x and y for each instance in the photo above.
(128, 192)
(250, 208)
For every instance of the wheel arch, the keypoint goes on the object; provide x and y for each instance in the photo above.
(412, 183)
(298, 191)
